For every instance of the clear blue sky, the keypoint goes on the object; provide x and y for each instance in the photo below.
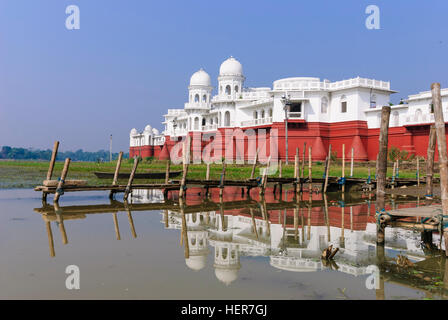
(132, 60)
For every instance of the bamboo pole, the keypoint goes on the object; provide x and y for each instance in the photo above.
(302, 172)
(351, 163)
(342, 240)
(310, 169)
(418, 171)
(343, 167)
(207, 173)
(430, 161)
(327, 171)
(223, 177)
(381, 170)
(327, 220)
(53, 160)
(441, 145)
(167, 171)
(59, 189)
(117, 171)
(184, 231)
(254, 165)
(254, 224)
(264, 180)
(185, 156)
(131, 178)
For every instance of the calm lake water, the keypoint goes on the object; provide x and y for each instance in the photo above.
(253, 251)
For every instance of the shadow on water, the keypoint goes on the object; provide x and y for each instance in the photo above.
(290, 233)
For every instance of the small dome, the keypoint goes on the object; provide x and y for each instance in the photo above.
(226, 276)
(134, 131)
(231, 67)
(148, 128)
(200, 78)
(196, 263)
(155, 131)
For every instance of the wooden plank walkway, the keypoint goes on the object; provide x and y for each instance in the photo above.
(424, 211)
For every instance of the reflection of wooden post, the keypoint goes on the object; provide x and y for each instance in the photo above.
(131, 221)
(131, 178)
(264, 213)
(310, 206)
(52, 160)
(327, 171)
(303, 226)
(61, 182)
(117, 171)
(165, 216)
(280, 175)
(343, 167)
(184, 230)
(380, 256)
(302, 172)
(50, 238)
(254, 224)
(58, 212)
(430, 161)
(221, 212)
(296, 223)
(327, 220)
(441, 145)
(393, 176)
(117, 229)
(342, 240)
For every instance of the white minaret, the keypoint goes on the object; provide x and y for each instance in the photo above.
(199, 96)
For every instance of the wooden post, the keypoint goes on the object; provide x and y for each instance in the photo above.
(117, 171)
(430, 162)
(343, 167)
(131, 178)
(167, 171)
(310, 174)
(327, 171)
(223, 177)
(342, 239)
(52, 160)
(207, 172)
(264, 181)
(381, 170)
(184, 231)
(185, 155)
(296, 223)
(296, 170)
(327, 218)
(59, 189)
(254, 224)
(393, 176)
(418, 171)
(252, 174)
(441, 145)
(280, 175)
(303, 161)
(351, 163)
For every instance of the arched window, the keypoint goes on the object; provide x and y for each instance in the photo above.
(373, 101)
(255, 115)
(324, 105)
(262, 113)
(395, 119)
(196, 123)
(203, 121)
(227, 119)
(343, 104)
(211, 121)
(224, 253)
(270, 112)
(236, 88)
(418, 115)
(216, 120)
(228, 90)
(204, 98)
(196, 98)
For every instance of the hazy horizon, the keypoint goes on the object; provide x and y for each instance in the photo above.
(131, 60)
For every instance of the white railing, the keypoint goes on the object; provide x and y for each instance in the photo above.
(210, 127)
(424, 118)
(176, 112)
(256, 122)
(314, 84)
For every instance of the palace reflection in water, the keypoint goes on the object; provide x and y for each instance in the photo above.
(292, 233)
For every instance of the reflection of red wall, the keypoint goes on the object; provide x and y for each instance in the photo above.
(318, 135)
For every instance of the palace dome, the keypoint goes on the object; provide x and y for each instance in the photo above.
(155, 131)
(148, 128)
(134, 131)
(231, 67)
(200, 78)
